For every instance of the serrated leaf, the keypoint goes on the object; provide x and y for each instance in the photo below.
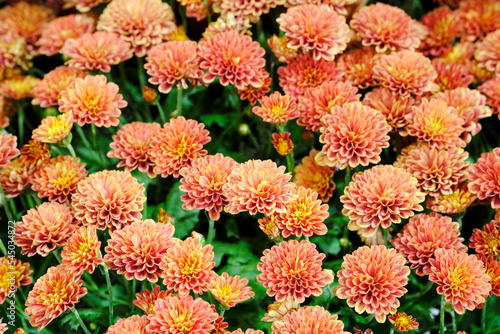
(185, 220)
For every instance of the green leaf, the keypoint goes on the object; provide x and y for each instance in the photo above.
(185, 220)
(232, 228)
(328, 244)
(132, 89)
(71, 320)
(219, 119)
(90, 314)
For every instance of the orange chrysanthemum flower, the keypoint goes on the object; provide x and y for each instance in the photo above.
(487, 53)
(8, 148)
(353, 135)
(282, 143)
(7, 110)
(293, 269)
(15, 176)
(277, 310)
(45, 228)
(229, 290)
(456, 202)
(248, 331)
(18, 87)
(131, 145)
(187, 266)
(227, 23)
(319, 101)
(380, 196)
(134, 324)
(357, 66)
(53, 294)
(277, 108)
(315, 177)
(484, 176)
(13, 274)
(303, 73)
(55, 34)
(143, 24)
(309, 319)
(53, 130)
(316, 29)
(461, 278)
(451, 75)
(82, 250)
(492, 267)
(491, 89)
(461, 53)
(177, 145)
(372, 279)
(280, 49)
(269, 225)
(13, 52)
(443, 26)
(248, 9)
(258, 186)
(253, 94)
(92, 100)
(147, 300)
(58, 177)
(35, 152)
(423, 235)
(488, 241)
(387, 28)
(84, 6)
(233, 57)
(479, 18)
(203, 182)
(403, 322)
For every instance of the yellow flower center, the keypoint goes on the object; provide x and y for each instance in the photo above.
(190, 267)
(181, 148)
(182, 322)
(63, 181)
(457, 279)
(57, 296)
(301, 213)
(492, 242)
(225, 294)
(312, 78)
(92, 103)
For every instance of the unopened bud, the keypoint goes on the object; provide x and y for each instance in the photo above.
(282, 143)
(149, 94)
(269, 225)
(344, 242)
(199, 237)
(166, 218)
(244, 129)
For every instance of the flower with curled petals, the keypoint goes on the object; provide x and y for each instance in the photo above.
(293, 269)
(18, 87)
(248, 331)
(8, 148)
(461, 278)
(479, 18)
(491, 89)
(137, 249)
(253, 94)
(488, 241)
(248, 9)
(229, 290)
(203, 181)
(277, 108)
(269, 225)
(487, 52)
(35, 152)
(81, 251)
(456, 202)
(109, 199)
(484, 177)
(177, 145)
(143, 24)
(380, 196)
(357, 66)
(134, 324)
(227, 23)
(423, 234)
(281, 50)
(13, 52)
(187, 266)
(372, 279)
(147, 300)
(13, 274)
(492, 267)
(258, 186)
(84, 6)
(277, 310)
(353, 135)
(45, 228)
(451, 75)
(282, 143)
(15, 176)
(403, 322)
(131, 144)
(309, 320)
(443, 26)
(316, 29)
(53, 130)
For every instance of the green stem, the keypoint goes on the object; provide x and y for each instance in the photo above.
(454, 321)
(347, 176)
(209, 18)
(493, 331)
(441, 317)
(179, 101)
(82, 136)
(221, 313)
(123, 73)
(71, 151)
(182, 11)
(422, 292)
(211, 231)
(3, 248)
(6, 206)
(392, 330)
(161, 111)
(37, 199)
(94, 135)
(140, 72)
(290, 162)
(385, 233)
(483, 317)
(57, 256)
(80, 321)
(13, 207)
(110, 293)
(20, 122)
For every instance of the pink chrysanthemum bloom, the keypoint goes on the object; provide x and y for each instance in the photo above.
(92, 100)
(380, 196)
(13, 274)
(253, 94)
(353, 135)
(203, 181)
(443, 27)
(248, 331)
(269, 225)
(131, 144)
(18, 87)
(233, 57)
(479, 18)
(436, 123)
(258, 186)
(197, 8)
(174, 63)
(134, 324)
(177, 145)
(372, 279)
(451, 75)
(45, 228)
(316, 29)
(13, 52)
(8, 148)
(319, 101)
(293, 269)
(58, 177)
(97, 51)
(492, 267)
(484, 177)
(456, 202)
(137, 249)
(491, 89)
(84, 6)
(277, 310)
(357, 66)
(461, 278)
(187, 266)
(48, 91)
(304, 215)
(488, 241)
(487, 52)
(282, 143)
(387, 28)
(405, 73)
(15, 176)
(303, 73)
(143, 24)
(81, 251)
(309, 319)
(280, 49)
(53, 294)
(227, 23)
(35, 152)
(403, 322)
(53, 130)
(248, 9)
(229, 290)
(177, 314)
(277, 108)
(423, 234)
(147, 300)
(55, 34)
(461, 53)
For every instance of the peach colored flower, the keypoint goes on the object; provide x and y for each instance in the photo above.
(277, 108)
(81, 251)
(293, 269)
(8, 148)
(143, 24)
(281, 50)
(248, 331)
(229, 290)
(84, 5)
(227, 23)
(423, 234)
(58, 177)
(233, 57)
(277, 310)
(315, 177)
(197, 8)
(18, 87)
(15, 176)
(484, 176)
(134, 324)
(479, 18)
(177, 145)
(258, 186)
(45, 228)
(13, 274)
(131, 145)
(253, 94)
(187, 266)
(372, 279)
(309, 319)
(451, 75)
(319, 101)
(35, 152)
(487, 53)
(380, 196)
(7, 110)
(174, 63)
(357, 66)
(353, 135)
(403, 322)
(282, 143)
(443, 26)
(147, 300)
(492, 267)
(59, 30)
(359, 331)
(456, 202)
(248, 9)
(461, 53)
(53, 130)
(92, 100)
(48, 91)
(491, 89)
(488, 241)
(461, 278)
(109, 199)
(53, 294)
(13, 51)
(269, 225)
(316, 29)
